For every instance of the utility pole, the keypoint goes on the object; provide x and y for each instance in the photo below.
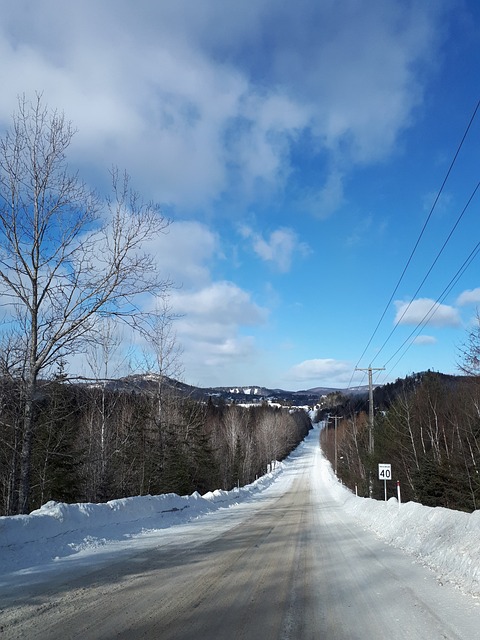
(370, 405)
(371, 446)
(336, 418)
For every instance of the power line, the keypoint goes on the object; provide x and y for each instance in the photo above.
(412, 253)
(429, 271)
(472, 255)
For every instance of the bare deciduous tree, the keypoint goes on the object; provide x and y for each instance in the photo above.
(470, 351)
(162, 355)
(66, 258)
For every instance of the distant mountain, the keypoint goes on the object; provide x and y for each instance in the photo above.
(257, 394)
(304, 396)
(237, 394)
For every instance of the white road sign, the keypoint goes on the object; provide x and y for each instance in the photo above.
(384, 471)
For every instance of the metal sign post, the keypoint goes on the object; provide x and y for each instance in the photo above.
(385, 473)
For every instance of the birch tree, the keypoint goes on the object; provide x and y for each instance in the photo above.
(66, 256)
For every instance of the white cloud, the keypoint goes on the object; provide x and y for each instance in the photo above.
(194, 98)
(321, 371)
(361, 103)
(424, 340)
(220, 302)
(211, 326)
(428, 311)
(279, 248)
(185, 253)
(470, 296)
(214, 316)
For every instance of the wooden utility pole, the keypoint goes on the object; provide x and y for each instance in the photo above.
(371, 444)
(336, 418)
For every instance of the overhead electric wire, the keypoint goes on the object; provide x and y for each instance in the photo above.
(412, 253)
(472, 255)
(429, 271)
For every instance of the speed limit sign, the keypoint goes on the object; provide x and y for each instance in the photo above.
(384, 471)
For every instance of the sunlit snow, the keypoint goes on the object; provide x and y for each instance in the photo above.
(62, 537)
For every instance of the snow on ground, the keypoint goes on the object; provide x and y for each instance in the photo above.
(58, 535)
(447, 541)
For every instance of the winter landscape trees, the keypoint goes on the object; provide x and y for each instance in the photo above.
(428, 427)
(72, 267)
(196, 446)
(66, 260)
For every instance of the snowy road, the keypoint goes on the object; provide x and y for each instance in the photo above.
(292, 566)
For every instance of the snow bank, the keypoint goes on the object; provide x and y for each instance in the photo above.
(445, 540)
(57, 529)
(59, 519)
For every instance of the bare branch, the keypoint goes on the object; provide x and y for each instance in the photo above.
(66, 258)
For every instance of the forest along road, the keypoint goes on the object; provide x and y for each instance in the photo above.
(297, 568)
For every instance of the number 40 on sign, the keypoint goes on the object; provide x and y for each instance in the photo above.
(384, 471)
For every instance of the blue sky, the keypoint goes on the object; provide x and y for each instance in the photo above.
(299, 147)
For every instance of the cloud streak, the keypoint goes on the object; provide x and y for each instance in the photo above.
(424, 340)
(425, 310)
(318, 370)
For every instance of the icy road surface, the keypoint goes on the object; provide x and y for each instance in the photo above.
(289, 564)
